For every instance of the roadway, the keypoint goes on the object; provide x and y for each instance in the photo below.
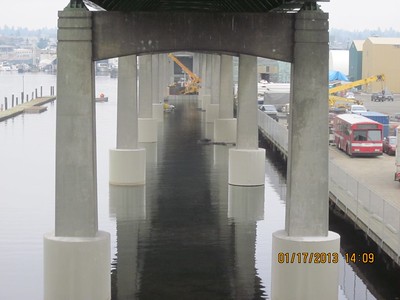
(375, 172)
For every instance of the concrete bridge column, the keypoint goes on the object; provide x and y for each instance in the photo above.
(212, 109)
(170, 72)
(147, 124)
(158, 109)
(202, 74)
(162, 80)
(247, 161)
(127, 162)
(196, 63)
(305, 255)
(206, 81)
(77, 254)
(225, 125)
(165, 75)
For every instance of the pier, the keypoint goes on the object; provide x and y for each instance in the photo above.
(363, 188)
(32, 106)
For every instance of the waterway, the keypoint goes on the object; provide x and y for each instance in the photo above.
(185, 235)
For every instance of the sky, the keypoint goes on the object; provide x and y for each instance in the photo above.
(352, 15)
(357, 15)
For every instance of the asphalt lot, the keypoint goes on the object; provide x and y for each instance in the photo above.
(376, 172)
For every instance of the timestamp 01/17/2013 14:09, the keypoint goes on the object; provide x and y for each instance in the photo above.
(324, 257)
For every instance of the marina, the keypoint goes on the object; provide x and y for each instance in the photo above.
(33, 106)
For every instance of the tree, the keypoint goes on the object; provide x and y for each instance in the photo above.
(43, 43)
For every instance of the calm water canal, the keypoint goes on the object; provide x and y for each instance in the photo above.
(185, 235)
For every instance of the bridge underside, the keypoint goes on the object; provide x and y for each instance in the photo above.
(300, 38)
(194, 5)
(229, 33)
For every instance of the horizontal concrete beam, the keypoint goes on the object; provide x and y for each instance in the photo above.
(260, 34)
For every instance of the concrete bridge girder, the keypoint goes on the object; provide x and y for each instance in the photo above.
(229, 33)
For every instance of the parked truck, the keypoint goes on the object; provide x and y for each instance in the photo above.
(378, 117)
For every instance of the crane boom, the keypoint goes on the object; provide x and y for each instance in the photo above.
(333, 98)
(350, 85)
(193, 84)
(341, 100)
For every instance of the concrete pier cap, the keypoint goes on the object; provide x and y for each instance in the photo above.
(127, 166)
(77, 267)
(305, 268)
(247, 167)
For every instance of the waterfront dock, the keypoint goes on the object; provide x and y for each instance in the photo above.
(27, 106)
(363, 188)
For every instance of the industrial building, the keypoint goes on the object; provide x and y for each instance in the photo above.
(370, 57)
(382, 56)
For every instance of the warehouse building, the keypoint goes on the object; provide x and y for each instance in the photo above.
(381, 56)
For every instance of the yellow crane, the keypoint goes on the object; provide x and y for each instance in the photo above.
(192, 86)
(339, 88)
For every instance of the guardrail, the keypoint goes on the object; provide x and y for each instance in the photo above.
(373, 214)
(276, 132)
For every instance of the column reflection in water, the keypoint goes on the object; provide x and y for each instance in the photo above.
(128, 206)
(151, 152)
(207, 128)
(245, 208)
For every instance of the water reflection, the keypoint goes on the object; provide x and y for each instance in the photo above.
(245, 208)
(151, 152)
(178, 244)
(128, 206)
(246, 204)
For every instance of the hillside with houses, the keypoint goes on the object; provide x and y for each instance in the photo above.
(28, 50)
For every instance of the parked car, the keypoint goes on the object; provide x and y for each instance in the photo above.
(270, 110)
(350, 95)
(395, 117)
(382, 96)
(357, 109)
(389, 145)
(285, 108)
